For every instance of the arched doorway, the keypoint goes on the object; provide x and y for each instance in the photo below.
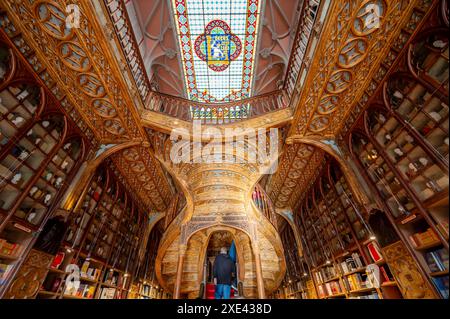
(218, 239)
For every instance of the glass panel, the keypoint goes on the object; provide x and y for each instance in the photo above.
(218, 40)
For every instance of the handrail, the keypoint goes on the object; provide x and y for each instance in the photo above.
(302, 38)
(216, 113)
(265, 205)
(124, 31)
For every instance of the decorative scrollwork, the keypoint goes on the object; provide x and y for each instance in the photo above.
(339, 81)
(104, 108)
(353, 52)
(52, 19)
(114, 127)
(91, 85)
(369, 17)
(328, 104)
(73, 56)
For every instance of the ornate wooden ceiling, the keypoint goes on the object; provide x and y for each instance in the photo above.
(91, 73)
(81, 63)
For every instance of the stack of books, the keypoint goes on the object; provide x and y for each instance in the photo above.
(333, 288)
(9, 249)
(428, 237)
(357, 282)
(90, 272)
(83, 291)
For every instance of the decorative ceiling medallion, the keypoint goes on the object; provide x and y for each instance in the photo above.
(218, 46)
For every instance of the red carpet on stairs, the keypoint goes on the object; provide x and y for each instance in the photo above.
(211, 289)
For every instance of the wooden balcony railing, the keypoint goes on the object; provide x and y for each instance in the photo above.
(305, 29)
(216, 113)
(263, 202)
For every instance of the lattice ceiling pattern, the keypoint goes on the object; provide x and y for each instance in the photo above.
(298, 166)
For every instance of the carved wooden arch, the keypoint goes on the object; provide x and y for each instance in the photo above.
(186, 234)
(286, 214)
(331, 147)
(181, 183)
(239, 249)
(79, 188)
(152, 221)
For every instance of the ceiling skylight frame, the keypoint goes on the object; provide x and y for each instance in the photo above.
(202, 83)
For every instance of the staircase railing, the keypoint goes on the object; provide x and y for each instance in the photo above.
(265, 205)
(216, 113)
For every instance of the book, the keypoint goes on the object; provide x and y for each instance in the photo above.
(357, 259)
(58, 260)
(441, 284)
(432, 262)
(384, 274)
(4, 271)
(442, 254)
(374, 251)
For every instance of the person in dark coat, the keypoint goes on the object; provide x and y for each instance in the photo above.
(224, 270)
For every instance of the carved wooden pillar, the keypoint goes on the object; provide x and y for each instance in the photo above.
(30, 276)
(259, 275)
(181, 255)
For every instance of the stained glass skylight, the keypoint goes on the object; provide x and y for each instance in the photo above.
(218, 41)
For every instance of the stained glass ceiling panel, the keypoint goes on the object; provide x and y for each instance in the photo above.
(218, 41)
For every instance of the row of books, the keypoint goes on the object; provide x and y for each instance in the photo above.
(425, 238)
(325, 273)
(4, 271)
(329, 289)
(441, 284)
(9, 249)
(107, 293)
(352, 263)
(92, 273)
(83, 291)
(373, 295)
(356, 281)
(437, 260)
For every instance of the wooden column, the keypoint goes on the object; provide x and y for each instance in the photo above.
(181, 255)
(259, 276)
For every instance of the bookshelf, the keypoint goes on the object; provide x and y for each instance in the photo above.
(40, 153)
(33, 183)
(401, 146)
(20, 103)
(339, 243)
(101, 244)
